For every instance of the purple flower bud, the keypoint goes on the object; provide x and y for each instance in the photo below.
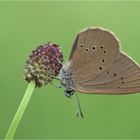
(43, 64)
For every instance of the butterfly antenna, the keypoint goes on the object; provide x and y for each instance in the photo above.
(58, 60)
(79, 107)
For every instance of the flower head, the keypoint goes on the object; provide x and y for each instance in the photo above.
(43, 64)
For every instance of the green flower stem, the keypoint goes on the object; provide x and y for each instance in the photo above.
(20, 111)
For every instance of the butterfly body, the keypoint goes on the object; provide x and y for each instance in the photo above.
(66, 80)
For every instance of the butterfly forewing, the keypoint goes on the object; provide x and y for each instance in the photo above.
(95, 51)
(98, 66)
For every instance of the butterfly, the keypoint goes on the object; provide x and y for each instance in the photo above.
(97, 65)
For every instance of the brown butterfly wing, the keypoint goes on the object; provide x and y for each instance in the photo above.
(98, 66)
(122, 77)
(94, 51)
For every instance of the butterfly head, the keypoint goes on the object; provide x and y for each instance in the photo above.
(69, 93)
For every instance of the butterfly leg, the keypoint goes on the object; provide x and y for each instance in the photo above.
(58, 86)
(57, 78)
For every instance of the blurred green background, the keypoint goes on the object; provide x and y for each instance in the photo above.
(49, 114)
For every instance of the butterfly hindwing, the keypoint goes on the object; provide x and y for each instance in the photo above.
(122, 77)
